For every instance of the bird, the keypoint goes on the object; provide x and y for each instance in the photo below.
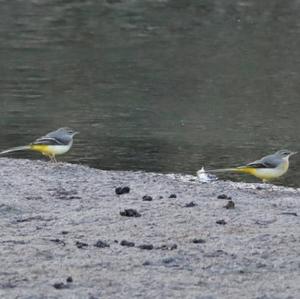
(57, 142)
(267, 168)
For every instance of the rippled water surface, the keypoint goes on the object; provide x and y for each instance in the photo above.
(153, 85)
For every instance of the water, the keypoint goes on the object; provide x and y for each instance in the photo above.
(165, 86)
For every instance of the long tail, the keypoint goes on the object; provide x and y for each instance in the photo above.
(15, 149)
(241, 169)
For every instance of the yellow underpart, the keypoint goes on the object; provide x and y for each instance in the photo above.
(256, 172)
(248, 170)
(44, 149)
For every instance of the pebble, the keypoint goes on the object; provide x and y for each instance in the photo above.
(230, 205)
(173, 196)
(130, 213)
(190, 204)
(69, 279)
(127, 243)
(224, 196)
(198, 241)
(146, 246)
(60, 285)
(222, 222)
(81, 244)
(147, 198)
(101, 244)
(122, 190)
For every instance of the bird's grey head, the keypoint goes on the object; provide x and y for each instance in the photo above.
(67, 131)
(285, 153)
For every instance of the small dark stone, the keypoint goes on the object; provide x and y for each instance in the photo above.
(127, 243)
(224, 196)
(74, 197)
(101, 244)
(116, 241)
(173, 246)
(198, 241)
(147, 263)
(222, 222)
(230, 205)
(147, 198)
(122, 190)
(81, 244)
(130, 213)
(259, 188)
(190, 204)
(69, 279)
(173, 196)
(146, 246)
(60, 285)
(64, 232)
(160, 197)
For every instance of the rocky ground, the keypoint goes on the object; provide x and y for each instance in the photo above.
(66, 233)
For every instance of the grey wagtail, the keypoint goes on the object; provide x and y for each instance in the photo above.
(54, 143)
(267, 168)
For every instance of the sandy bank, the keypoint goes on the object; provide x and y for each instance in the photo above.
(62, 222)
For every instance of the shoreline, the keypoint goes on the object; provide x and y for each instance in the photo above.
(66, 233)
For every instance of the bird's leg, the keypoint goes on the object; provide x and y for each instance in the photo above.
(54, 159)
(265, 184)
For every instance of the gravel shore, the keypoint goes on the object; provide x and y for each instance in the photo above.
(69, 231)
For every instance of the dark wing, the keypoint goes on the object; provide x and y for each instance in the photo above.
(266, 162)
(47, 141)
(258, 165)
